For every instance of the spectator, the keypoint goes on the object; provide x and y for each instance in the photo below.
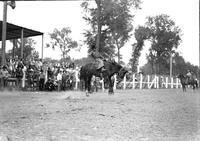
(1, 77)
(5, 76)
(59, 80)
(41, 80)
(64, 80)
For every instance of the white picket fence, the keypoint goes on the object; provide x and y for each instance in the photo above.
(149, 81)
(135, 81)
(139, 81)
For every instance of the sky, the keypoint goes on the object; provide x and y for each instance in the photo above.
(45, 16)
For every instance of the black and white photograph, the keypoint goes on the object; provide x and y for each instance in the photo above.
(99, 70)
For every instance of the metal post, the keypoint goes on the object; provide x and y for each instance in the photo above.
(4, 33)
(22, 42)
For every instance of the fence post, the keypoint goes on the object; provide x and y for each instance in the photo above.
(115, 82)
(124, 87)
(24, 77)
(148, 81)
(157, 82)
(177, 83)
(166, 84)
(172, 82)
(133, 81)
(141, 81)
(102, 82)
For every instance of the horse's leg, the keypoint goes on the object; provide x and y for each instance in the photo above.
(95, 85)
(89, 84)
(87, 89)
(196, 84)
(110, 91)
(184, 88)
(193, 85)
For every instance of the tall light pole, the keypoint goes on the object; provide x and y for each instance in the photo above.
(171, 61)
(4, 26)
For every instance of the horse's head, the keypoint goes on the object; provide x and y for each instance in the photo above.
(121, 74)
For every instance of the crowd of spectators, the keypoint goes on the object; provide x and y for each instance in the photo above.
(35, 74)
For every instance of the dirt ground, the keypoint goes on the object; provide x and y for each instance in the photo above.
(129, 115)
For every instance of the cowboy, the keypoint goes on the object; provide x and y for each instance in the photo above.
(99, 61)
(189, 75)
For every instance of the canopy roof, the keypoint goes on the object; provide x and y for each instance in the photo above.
(14, 32)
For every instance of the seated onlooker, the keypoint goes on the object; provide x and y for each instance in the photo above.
(5, 75)
(1, 77)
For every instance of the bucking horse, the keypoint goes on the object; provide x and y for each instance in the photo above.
(111, 68)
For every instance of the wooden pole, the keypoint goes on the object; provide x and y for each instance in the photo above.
(199, 41)
(148, 81)
(98, 25)
(170, 65)
(166, 84)
(172, 82)
(22, 43)
(115, 82)
(4, 33)
(133, 81)
(42, 46)
(141, 80)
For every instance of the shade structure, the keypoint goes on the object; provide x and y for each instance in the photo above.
(14, 32)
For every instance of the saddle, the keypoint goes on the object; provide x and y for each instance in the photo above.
(99, 66)
(189, 80)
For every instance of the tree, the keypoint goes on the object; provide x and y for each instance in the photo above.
(28, 51)
(114, 25)
(62, 40)
(180, 66)
(141, 34)
(165, 38)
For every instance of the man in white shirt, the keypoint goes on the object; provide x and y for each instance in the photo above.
(59, 79)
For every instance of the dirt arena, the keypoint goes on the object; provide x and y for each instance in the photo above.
(129, 115)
